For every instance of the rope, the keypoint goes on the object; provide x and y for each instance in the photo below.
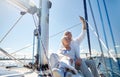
(104, 34)
(11, 29)
(109, 24)
(86, 18)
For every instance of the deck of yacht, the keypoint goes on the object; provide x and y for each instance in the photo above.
(17, 72)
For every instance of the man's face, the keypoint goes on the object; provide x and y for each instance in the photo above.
(69, 35)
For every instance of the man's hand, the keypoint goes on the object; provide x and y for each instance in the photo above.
(83, 22)
(78, 62)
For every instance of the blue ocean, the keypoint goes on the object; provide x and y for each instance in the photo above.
(108, 66)
(111, 65)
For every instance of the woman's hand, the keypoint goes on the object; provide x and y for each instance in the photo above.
(71, 61)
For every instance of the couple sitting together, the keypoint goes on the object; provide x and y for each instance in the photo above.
(68, 57)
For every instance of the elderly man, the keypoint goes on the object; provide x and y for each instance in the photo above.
(73, 46)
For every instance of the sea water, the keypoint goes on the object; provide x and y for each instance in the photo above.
(113, 69)
(110, 65)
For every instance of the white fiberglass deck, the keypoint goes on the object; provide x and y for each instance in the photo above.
(17, 72)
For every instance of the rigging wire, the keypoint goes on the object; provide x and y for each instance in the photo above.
(50, 37)
(22, 13)
(109, 24)
(39, 33)
(98, 36)
(64, 30)
(102, 42)
(106, 42)
(10, 56)
(34, 21)
(28, 45)
(22, 49)
(33, 48)
(101, 18)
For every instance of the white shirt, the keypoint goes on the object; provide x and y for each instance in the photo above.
(74, 53)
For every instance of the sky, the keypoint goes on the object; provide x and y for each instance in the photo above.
(62, 15)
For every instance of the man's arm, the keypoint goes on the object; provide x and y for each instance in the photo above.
(83, 23)
(83, 33)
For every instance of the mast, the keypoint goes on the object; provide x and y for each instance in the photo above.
(43, 37)
(44, 28)
(86, 18)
